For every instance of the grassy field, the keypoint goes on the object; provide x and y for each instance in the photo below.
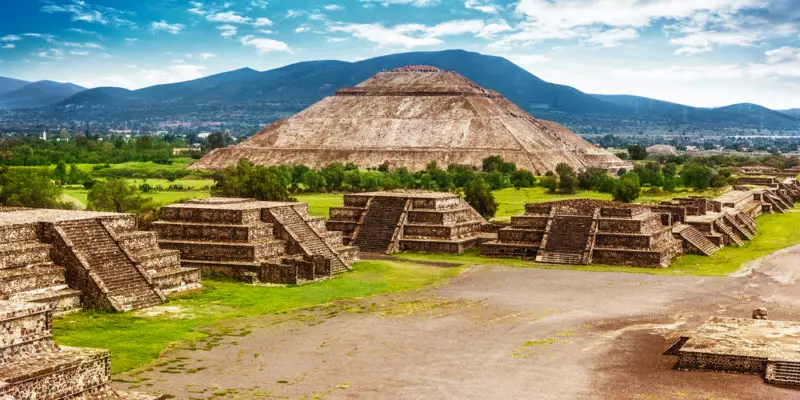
(775, 232)
(144, 168)
(161, 198)
(137, 339)
(510, 201)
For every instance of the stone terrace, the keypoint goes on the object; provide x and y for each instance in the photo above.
(32, 367)
(105, 259)
(770, 348)
(585, 232)
(391, 221)
(251, 240)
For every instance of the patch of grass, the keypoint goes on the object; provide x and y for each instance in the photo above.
(136, 339)
(319, 204)
(161, 197)
(775, 232)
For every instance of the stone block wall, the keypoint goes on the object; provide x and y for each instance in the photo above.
(720, 362)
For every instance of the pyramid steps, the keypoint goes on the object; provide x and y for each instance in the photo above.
(127, 287)
(309, 239)
(379, 224)
(728, 233)
(696, 238)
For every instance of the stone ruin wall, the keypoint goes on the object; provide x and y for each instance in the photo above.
(720, 362)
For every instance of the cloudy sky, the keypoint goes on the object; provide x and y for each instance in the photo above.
(698, 52)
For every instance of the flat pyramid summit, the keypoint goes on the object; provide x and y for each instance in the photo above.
(409, 117)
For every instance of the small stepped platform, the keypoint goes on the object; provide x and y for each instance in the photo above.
(407, 220)
(742, 345)
(253, 241)
(587, 231)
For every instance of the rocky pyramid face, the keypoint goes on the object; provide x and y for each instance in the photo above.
(409, 117)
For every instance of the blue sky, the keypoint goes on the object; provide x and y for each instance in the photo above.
(697, 52)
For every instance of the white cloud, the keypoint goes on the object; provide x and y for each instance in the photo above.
(88, 45)
(335, 39)
(333, 7)
(481, 6)
(85, 12)
(259, 3)
(294, 13)
(262, 22)
(79, 53)
(415, 3)
(266, 31)
(230, 17)
(612, 37)
(302, 28)
(265, 45)
(197, 8)
(11, 38)
(167, 27)
(418, 35)
(782, 62)
(206, 56)
(8, 46)
(228, 30)
(51, 54)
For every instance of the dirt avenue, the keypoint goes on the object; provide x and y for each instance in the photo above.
(492, 332)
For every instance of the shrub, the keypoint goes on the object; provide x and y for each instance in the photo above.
(479, 195)
(628, 188)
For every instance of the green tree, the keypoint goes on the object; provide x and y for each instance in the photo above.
(627, 189)
(29, 188)
(697, 176)
(117, 195)
(60, 172)
(77, 175)
(637, 152)
(567, 180)
(479, 195)
(246, 180)
(523, 178)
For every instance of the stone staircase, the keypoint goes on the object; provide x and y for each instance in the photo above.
(312, 243)
(783, 373)
(379, 223)
(737, 226)
(566, 240)
(128, 288)
(696, 238)
(777, 203)
(728, 232)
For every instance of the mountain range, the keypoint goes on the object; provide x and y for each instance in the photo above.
(274, 93)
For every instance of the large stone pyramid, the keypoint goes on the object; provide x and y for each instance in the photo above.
(409, 117)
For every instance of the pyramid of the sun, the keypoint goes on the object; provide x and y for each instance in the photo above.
(409, 117)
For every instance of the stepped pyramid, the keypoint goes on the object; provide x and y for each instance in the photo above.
(32, 367)
(253, 240)
(416, 220)
(587, 231)
(107, 263)
(410, 117)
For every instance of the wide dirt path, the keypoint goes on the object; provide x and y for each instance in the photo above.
(492, 332)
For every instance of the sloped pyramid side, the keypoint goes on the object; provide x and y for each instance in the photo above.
(409, 119)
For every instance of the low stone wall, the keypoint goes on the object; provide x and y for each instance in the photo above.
(520, 235)
(211, 233)
(720, 362)
(17, 233)
(210, 215)
(441, 231)
(433, 246)
(529, 221)
(441, 217)
(346, 213)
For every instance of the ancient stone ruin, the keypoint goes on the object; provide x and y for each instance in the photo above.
(96, 260)
(410, 117)
(391, 221)
(255, 241)
(32, 367)
(758, 346)
(586, 232)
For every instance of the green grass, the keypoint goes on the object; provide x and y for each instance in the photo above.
(137, 340)
(196, 184)
(775, 232)
(319, 204)
(143, 167)
(161, 197)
